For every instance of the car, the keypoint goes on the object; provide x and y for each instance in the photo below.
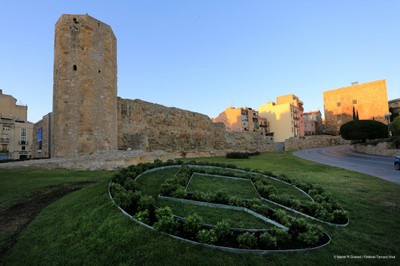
(397, 163)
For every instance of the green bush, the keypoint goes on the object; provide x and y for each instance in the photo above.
(146, 202)
(130, 184)
(266, 241)
(396, 141)
(164, 212)
(207, 236)
(221, 197)
(281, 235)
(192, 225)
(167, 224)
(299, 225)
(282, 217)
(340, 216)
(395, 126)
(237, 155)
(222, 230)
(234, 201)
(363, 130)
(143, 216)
(247, 240)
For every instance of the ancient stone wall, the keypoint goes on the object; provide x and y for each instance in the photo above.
(382, 148)
(298, 143)
(148, 126)
(85, 87)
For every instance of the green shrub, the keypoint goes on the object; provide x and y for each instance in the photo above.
(168, 187)
(247, 240)
(281, 235)
(143, 216)
(207, 236)
(266, 240)
(311, 237)
(130, 184)
(396, 141)
(299, 225)
(179, 192)
(222, 230)
(192, 225)
(234, 201)
(164, 212)
(340, 216)
(146, 202)
(282, 217)
(167, 224)
(395, 126)
(237, 155)
(363, 130)
(221, 197)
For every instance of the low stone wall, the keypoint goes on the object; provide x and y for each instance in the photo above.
(382, 148)
(298, 143)
(110, 160)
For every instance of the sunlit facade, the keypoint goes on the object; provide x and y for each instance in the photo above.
(243, 119)
(285, 117)
(369, 101)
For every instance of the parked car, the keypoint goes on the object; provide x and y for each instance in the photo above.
(397, 163)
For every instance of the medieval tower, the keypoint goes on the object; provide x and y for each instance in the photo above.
(85, 87)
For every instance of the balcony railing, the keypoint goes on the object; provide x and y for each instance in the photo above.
(4, 140)
(23, 142)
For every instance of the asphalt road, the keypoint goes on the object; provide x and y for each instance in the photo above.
(343, 157)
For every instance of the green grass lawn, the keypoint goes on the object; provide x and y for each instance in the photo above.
(239, 219)
(242, 188)
(85, 228)
(150, 183)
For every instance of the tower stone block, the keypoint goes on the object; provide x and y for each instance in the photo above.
(85, 87)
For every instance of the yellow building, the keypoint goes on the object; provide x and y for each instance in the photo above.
(368, 99)
(285, 117)
(243, 119)
(15, 132)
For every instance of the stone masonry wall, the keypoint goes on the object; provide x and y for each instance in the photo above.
(84, 88)
(148, 126)
(308, 142)
(383, 148)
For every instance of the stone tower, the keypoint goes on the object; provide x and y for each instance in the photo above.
(85, 87)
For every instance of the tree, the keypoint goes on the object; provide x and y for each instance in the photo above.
(395, 126)
(363, 130)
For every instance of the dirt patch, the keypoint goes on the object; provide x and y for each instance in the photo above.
(18, 217)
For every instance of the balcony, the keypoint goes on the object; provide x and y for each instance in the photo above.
(4, 140)
(23, 142)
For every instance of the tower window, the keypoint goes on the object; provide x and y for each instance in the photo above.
(99, 71)
(75, 68)
(74, 19)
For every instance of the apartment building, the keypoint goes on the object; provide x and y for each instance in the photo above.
(394, 109)
(15, 131)
(312, 123)
(242, 119)
(369, 100)
(285, 117)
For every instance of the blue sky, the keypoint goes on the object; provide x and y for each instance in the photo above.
(205, 56)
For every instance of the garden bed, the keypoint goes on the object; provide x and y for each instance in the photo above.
(223, 186)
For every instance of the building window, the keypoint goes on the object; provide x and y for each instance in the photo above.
(23, 132)
(338, 104)
(354, 101)
(23, 148)
(75, 68)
